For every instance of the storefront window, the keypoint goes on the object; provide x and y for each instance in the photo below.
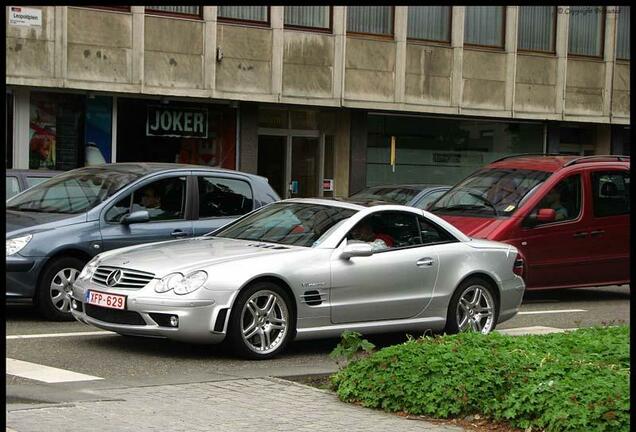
(56, 131)
(177, 132)
(442, 151)
(98, 130)
(8, 132)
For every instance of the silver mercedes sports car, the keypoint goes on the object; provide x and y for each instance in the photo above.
(300, 269)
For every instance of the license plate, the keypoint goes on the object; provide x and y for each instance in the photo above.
(112, 301)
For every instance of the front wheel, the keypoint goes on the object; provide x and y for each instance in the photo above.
(262, 321)
(56, 281)
(472, 307)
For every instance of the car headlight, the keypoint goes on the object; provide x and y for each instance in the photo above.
(182, 284)
(15, 245)
(89, 269)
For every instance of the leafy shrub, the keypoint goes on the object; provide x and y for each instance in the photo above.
(570, 381)
(351, 347)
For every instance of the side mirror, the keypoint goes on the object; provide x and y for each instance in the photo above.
(356, 250)
(542, 216)
(545, 215)
(136, 217)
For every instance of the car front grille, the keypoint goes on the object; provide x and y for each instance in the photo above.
(131, 279)
(114, 316)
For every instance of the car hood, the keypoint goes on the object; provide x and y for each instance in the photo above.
(19, 222)
(474, 226)
(189, 254)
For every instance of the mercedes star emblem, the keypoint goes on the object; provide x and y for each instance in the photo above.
(114, 277)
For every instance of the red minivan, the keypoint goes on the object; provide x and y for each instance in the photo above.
(567, 215)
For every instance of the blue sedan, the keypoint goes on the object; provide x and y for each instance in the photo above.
(414, 195)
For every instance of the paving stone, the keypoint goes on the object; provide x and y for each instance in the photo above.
(233, 405)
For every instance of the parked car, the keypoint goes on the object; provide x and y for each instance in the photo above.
(415, 195)
(567, 215)
(301, 269)
(56, 227)
(22, 179)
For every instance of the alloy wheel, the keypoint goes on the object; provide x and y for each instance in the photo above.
(264, 321)
(61, 284)
(476, 310)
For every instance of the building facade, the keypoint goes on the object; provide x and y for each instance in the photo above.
(321, 100)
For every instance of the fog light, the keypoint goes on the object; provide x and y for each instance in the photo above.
(174, 321)
(74, 304)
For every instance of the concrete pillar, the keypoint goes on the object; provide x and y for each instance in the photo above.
(400, 31)
(603, 139)
(248, 157)
(341, 148)
(358, 144)
(609, 54)
(563, 21)
(277, 21)
(554, 138)
(339, 30)
(21, 135)
(512, 24)
(209, 48)
(138, 44)
(457, 43)
(59, 62)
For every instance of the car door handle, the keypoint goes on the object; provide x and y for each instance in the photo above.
(424, 262)
(597, 233)
(579, 234)
(179, 233)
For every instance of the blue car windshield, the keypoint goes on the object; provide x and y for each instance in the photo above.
(295, 224)
(398, 195)
(73, 192)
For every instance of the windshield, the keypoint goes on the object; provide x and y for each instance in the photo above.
(490, 192)
(74, 192)
(295, 224)
(398, 195)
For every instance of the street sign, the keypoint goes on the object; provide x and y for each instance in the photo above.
(26, 17)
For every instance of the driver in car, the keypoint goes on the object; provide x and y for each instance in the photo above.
(363, 232)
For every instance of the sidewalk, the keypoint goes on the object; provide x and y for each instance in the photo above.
(269, 404)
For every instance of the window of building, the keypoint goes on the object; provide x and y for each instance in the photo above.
(432, 23)
(611, 193)
(308, 17)
(537, 26)
(112, 7)
(249, 14)
(586, 31)
(377, 20)
(484, 25)
(13, 187)
(222, 197)
(185, 11)
(622, 32)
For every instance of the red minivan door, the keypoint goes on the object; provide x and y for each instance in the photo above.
(609, 225)
(556, 252)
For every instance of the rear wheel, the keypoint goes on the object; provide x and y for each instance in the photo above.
(472, 307)
(56, 281)
(262, 321)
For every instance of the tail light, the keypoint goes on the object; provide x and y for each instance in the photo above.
(519, 266)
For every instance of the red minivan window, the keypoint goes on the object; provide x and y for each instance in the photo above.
(490, 192)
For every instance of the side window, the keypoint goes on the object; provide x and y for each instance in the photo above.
(13, 187)
(32, 181)
(431, 233)
(223, 197)
(610, 193)
(387, 230)
(564, 198)
(163, 199)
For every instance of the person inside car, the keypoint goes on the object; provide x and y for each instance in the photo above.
(553, 200)
(364, 232)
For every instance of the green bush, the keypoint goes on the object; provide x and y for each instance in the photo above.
(572, 381)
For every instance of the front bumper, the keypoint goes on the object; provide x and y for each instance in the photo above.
(511, 297)
(201, 315)
(22, 276)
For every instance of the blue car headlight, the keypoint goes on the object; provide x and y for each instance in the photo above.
(15, 245)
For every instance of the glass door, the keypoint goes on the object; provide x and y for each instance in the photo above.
(305, 167)
(272, 162)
